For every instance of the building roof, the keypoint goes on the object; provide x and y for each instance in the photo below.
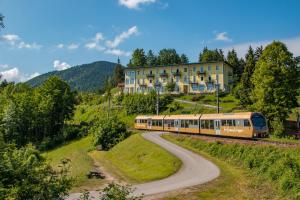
(175, 65)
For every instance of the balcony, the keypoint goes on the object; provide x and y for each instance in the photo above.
(176, 73)
(209, 81)
(150, 75)
(194, 83)
(164, 74)
(142, 84)
(201, 73)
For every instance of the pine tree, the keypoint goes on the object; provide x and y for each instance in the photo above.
(276, 84)
(258, 52)
(151, 59)
(245, 86)
(168, 57)
(211, 55)
(233, 60)
(118, 73)
(184, 59)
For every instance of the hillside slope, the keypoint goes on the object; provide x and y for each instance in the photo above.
(86, 77)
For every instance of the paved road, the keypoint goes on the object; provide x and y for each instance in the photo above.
(194, 103)
(195, 170)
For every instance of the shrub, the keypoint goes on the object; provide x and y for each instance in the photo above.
(118, 192)
(109, 131)
(277, 128)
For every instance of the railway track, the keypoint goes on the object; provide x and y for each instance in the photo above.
(227, 140)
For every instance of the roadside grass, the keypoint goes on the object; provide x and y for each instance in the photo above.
(236, 180)
(285, 140)
(77, 152)
(137, 160)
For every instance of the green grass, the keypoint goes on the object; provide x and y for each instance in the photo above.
(266, 172)
(137, 160)
(77, 152)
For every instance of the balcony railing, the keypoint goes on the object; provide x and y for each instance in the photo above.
(150, 75)
(209, 81)
(201, 73)
(142, 84)
(164, 74)
(194, 83)
(176, 73)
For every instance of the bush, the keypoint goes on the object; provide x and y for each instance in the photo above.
(109, 131)
(277, 128)
(174, 107)
(118, 192)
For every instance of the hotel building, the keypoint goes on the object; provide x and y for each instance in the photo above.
(188, 78)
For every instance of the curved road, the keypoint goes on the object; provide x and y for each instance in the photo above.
(195, 170)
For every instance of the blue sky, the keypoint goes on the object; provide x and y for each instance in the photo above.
(47, 35)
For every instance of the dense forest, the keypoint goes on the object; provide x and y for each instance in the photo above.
(86, 77)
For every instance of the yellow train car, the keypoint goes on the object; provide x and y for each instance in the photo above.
(244, 125)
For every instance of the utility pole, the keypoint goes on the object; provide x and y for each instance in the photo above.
(218, 102)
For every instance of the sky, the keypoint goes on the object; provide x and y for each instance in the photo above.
(42, 36)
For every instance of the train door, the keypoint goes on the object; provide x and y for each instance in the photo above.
(217, 127)
(177, 124)
(149, 123)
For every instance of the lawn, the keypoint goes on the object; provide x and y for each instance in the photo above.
(81, 162)
(237, 181)
(137, 160)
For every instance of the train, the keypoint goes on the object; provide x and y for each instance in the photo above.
(240, 125)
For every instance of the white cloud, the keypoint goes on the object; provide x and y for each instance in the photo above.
(120, 38)
(15, 75)
(118, 52)
(58, 65)
(73, 46)
(16, 41)
(60, 46)
(23, 45)
(134, 4)
(94, 43)
(223, 37)
(293, 45)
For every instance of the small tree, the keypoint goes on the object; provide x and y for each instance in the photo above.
(117, 192)
(109, 131)
(170, 87)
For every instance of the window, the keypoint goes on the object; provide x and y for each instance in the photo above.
(209, 68)
(201, 87)
(201, 69)
(202, 78)
(127, 81)
(150, 71)
(194, 69)
(246, 122)
(196, 122)
(217, 77)
(150, 81)
(194, 79)
(211, 124)
(177, 70)
(229, 122)
(206, 124)
(177, 79)
(138, 72)
(217, 68)
(209, 78)
(223, 122)
(185, 79)
(185, 69)
(239, 122)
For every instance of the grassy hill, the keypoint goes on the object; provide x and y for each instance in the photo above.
(86, 77)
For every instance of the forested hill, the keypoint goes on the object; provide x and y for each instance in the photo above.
(86, 77)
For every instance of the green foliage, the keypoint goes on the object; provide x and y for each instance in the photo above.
(281, 166)
(278, 128)
(234, 61)
(184, 59)
(170, 86)
(84, 78)
(119, 74)
(276, 83)
(118, 192)
(211, 55)
(151, 59)
(24, 174)
(174, 106)
(109, 131)
(36, 115)
(138, 58)
(168, 57)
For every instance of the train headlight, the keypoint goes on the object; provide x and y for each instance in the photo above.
(254, 134)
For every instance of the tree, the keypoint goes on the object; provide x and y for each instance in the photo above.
(118, 192)
(233, 60)
(211, 55)
(138, 58)
(56, 104)
(118, 73)
(1, 21)
(184, 59)
(276, 83)
(109, 131)
(170, 86)
(245, 86)
(258, 52)
(108, 86)
(168, 57)
(151, 59)
(25, 174)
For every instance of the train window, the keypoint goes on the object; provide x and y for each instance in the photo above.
(211, 124)
(196, 122)
(246, 122)
(239, 122)
(182, 123)
(202, 123)
(206, 126)
(172, 123)
(223, 123)
(229, 122)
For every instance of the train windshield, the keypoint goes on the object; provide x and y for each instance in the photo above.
(258, 121)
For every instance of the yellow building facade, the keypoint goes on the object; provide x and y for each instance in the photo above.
(188, 78)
